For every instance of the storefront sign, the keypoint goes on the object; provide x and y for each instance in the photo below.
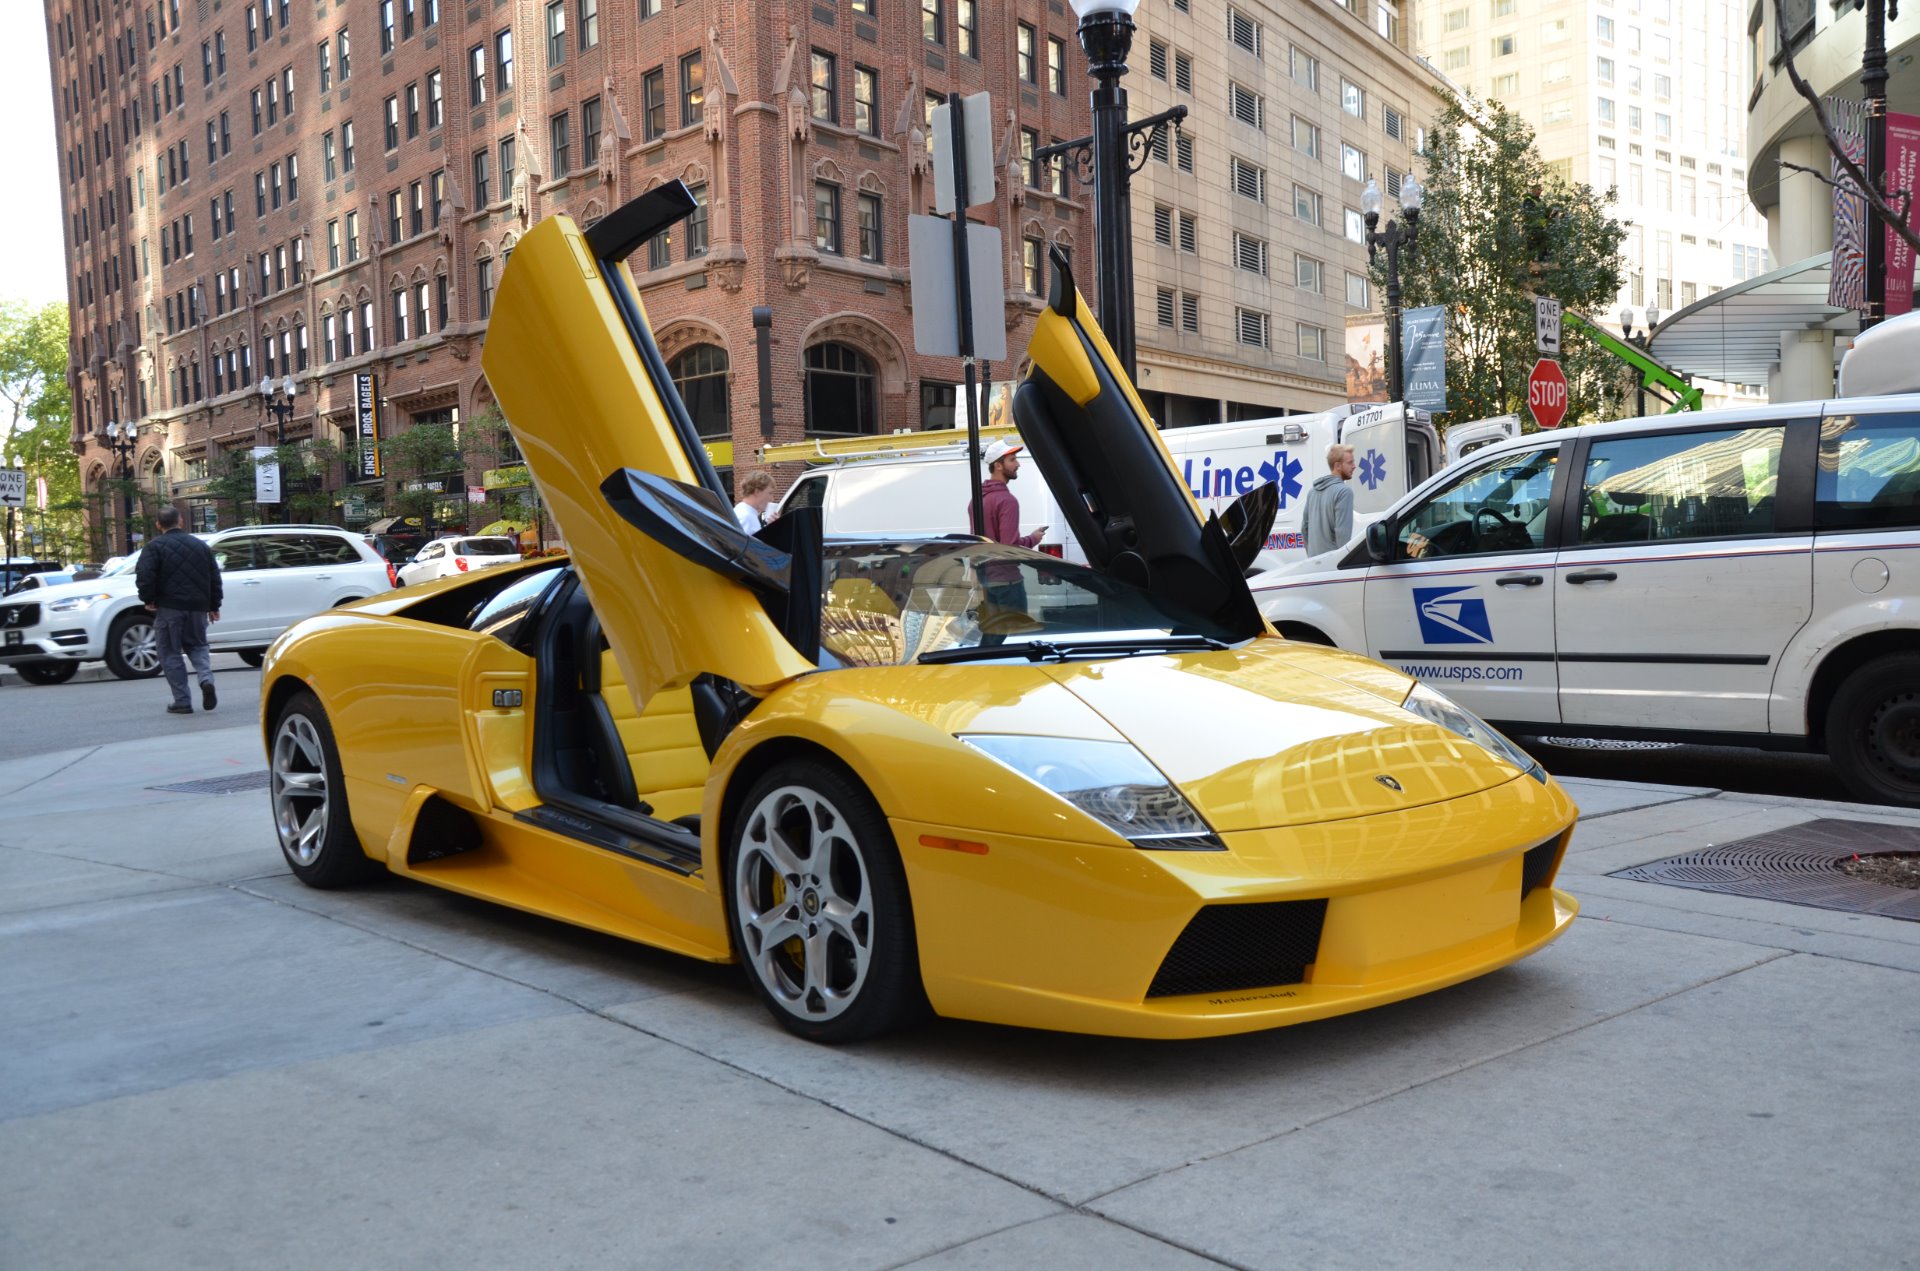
(368, 424)
(512, 478)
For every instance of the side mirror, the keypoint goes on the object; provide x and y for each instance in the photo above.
(1380, 542)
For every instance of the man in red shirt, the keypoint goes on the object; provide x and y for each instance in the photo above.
(1005, 587)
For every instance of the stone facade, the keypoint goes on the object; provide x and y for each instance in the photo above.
(223, 227)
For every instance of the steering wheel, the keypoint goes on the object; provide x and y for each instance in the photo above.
(1502, 522)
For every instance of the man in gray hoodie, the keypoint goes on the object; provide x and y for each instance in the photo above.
(1328, 517)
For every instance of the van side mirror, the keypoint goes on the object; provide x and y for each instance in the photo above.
(1380, 542)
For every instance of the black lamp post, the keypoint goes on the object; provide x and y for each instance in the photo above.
(280, 406)
(1398, 234)
(122, 440)
(1115, 151)
(1639, 340)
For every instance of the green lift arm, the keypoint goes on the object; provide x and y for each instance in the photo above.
(1653, 373)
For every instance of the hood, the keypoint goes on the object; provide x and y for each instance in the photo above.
(118, 585)
(1275, 734)
(1325, 481)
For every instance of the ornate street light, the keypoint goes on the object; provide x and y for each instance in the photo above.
(122, 439)
(1398, 234)
(1114, 152)
(1642, 340)
(280, 406)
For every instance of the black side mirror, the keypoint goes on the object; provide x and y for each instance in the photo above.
(1380, 542)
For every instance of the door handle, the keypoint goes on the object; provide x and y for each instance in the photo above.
(1592, 576)
(1518, 580)
(251, 582)
(324, 577)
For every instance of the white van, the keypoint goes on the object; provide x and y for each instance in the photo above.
(1748, 576)
(863, 489)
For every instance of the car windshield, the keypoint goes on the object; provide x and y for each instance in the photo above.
(125, 565)
(487, 547)
(951, 600)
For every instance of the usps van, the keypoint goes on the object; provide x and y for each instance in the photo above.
(1746, 576)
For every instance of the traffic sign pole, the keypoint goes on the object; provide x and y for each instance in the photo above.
(963, 289)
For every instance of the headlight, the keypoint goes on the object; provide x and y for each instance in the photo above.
(1111, 782)
(75, 603)
(1437, 708)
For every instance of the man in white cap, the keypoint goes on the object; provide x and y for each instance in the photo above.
(1001, 511)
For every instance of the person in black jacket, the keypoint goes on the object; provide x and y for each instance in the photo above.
(180, 582)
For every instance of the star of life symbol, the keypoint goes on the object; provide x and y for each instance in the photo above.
(1373, 469)
(1287, 474)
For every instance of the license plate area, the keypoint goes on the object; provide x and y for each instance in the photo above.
(12, 639)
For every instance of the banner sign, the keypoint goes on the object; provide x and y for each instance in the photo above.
(266, 475)
(509, 478)
(1848, 288)
(1903, 168)
(1366, 363)
(1423, 337)
(367, 421)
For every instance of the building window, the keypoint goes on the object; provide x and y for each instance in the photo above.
(477, 75)
(1353, 164)
(696, 231)
(346, 59)
(932, 28)
(393, 123)
(966, 22)
(329, 157)
(866, 100)
(1163, 308)
(1303, 68)
(1356, 226)
(1311, 342)
(1189, 313)
(1358, 290)
(556, 32)
(561, 141)
(872, 246)
(333, 246)
(1309, 274)
(1249, 182)
(1056, 66)
(841, 393)
(589, 24)
(1306, 137)
(700, 376)
(1252, 328)
(507, 161)
(1031, 271)
(484, 276)
(482, 192)
(416, 209)
(653, 104)
(413, 111)
(1307, 205)
(693, 89)
(826, 216)
(1246, 106)
(1353, 99)
(436, 103)
(1243, 31)
(346, 146)
(590, 130)
(826, 92)
(1024, 61)
(503, 62)
(1249, 254)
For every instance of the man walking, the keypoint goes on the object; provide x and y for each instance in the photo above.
(179, 581)
(1328, 516)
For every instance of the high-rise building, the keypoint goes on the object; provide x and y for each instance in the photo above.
(1250, 248)
(265, 188)
(1646, 97)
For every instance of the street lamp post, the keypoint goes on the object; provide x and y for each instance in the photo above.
(280, 406)
(1400, 233)
(1641, 340)
(1115, 151)
(122, 439)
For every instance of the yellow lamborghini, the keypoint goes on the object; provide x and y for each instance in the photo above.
(898, 776)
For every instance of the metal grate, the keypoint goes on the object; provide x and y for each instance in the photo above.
(1228, 947)
(1800, 865)
(1537, 866)
(234, 784)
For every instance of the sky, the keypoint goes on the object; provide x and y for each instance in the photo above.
(33, 258)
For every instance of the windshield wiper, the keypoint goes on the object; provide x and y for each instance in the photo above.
(1045, 650)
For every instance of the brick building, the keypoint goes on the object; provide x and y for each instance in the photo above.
(326, 188)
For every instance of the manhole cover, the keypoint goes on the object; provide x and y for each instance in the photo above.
(1800, 865)
(233, 784)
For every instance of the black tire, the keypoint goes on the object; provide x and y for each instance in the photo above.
(50, 671)
(252, 657)
(850, 865)
(309, 799)
(1873, 730)
(1301, 633)
(132, 653)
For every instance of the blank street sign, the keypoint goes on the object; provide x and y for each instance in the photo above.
(979, 127)
(936, 322)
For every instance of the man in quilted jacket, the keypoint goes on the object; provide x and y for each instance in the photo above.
(180, 582)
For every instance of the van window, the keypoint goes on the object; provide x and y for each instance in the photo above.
(808, 492)
(1869, 472)
(1497, 507)
(1667, 486)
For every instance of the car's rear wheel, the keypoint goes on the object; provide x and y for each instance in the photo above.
(1873, 730)
(310, 799)
(252, 657)
(819, 907)
(132, 651)
(47, 672)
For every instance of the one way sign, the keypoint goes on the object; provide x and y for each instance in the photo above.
(1546, 325)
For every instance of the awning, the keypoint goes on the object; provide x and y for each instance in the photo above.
(391, 524)
(1733, 335)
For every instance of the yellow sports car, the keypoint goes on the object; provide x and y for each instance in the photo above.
(889, 776)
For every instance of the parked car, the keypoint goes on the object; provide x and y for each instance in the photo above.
(447, 556)
(867, 770)
(273, 576)
(16, 569)
(1747, 576)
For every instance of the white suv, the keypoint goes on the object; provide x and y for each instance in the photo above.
(272, 576)
(1748, 576)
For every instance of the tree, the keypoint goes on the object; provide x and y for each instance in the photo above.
(418, 458)
(36, 423)
(1475, 257)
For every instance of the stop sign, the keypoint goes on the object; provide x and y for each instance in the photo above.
(1547, 393)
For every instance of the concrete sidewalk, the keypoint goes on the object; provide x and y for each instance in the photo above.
(204, 1064)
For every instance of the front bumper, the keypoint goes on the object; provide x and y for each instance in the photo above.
(45, 642)
(1045, 934)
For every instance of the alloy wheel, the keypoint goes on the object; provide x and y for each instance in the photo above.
(804, 903)
(138, 648)
(300, 803)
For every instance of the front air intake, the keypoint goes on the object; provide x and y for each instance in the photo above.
(1228, 947)
(1538, 865)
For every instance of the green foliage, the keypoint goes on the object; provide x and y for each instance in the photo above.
(36, 427)
(420, 453)
(1473, 257)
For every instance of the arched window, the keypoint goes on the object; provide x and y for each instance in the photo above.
(840, 391)
(700, 373)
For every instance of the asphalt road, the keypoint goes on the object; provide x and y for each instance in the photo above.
(93, 708)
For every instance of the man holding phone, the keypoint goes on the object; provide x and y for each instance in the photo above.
(1005, 587)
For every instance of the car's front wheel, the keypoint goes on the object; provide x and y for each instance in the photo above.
(132, 651)
(253, 657)
(50, 671)
(310, 799)
(819, 906)
(1873, 730)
